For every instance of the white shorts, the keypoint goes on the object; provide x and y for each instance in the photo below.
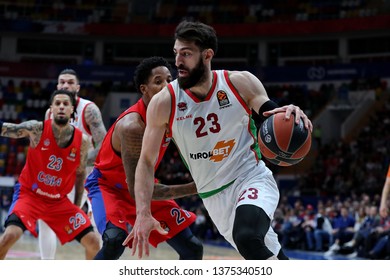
(254, 188)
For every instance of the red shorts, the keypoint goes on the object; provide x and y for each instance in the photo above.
(62, 216)
(119, 209)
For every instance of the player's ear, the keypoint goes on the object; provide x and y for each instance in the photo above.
(209, 53)
(143, 88)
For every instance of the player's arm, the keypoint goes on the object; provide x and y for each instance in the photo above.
(81, 172)
(383, 208)
(127, 138)
(162, 192)
(31, 129)
(254, 94)
(94, 120)
(157, 120)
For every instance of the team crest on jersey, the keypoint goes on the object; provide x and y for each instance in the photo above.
(46, 143)
(72, 154)
(223, 99)
(182, 106)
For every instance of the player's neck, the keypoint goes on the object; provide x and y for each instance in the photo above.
(202, 88)
(63, 134)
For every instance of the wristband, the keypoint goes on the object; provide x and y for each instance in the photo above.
(258, 117)
(267, 106)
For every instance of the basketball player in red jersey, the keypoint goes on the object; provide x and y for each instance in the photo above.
(56, 161)
(89, 120)
(111, 184)
(384, 207)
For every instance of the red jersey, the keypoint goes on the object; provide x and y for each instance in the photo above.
(111, 200)
(50, 170)
(110, 161)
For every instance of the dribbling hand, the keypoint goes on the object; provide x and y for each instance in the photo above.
(140, 234)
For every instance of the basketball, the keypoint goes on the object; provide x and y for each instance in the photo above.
(282, 141)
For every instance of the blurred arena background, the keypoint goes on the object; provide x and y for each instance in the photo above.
(330, 57)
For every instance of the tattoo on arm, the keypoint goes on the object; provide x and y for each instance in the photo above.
(130, 152)
(162, 192)
(81, 172)
(32, 129)
(93, 118)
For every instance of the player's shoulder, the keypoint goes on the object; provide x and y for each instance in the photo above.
(238, 75)
(132, 121)
(161, 98)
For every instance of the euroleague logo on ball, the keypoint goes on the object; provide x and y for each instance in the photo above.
(268, 137)
(282, 141)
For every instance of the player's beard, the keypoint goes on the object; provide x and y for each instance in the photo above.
(61, 121)
(194, 77)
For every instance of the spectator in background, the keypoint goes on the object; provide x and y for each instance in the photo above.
(292, 233)
(323, 230)
(343, 230)
(308, 226)
(360, 242)
(380, 243)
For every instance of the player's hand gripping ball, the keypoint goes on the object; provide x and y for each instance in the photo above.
(282, 141)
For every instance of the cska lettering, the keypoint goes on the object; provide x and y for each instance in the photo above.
(49, 180)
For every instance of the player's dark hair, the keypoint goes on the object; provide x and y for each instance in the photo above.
(63, 91)
(71, 72)
(204, 36)
(144, 70)
(68, 93)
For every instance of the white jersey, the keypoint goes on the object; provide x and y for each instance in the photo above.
(79, 120)
(216, 136)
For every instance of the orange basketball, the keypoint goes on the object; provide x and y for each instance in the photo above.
(282, 141)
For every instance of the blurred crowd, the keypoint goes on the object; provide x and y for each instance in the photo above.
(208, 11)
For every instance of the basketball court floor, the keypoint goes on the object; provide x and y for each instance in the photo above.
(27, 248)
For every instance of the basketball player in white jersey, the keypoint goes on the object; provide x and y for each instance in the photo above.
(209, 115)
(89, 120)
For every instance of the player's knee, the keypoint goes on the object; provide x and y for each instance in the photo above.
(16, 221)
(112, 243)
(251, 244)
(250, 228)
